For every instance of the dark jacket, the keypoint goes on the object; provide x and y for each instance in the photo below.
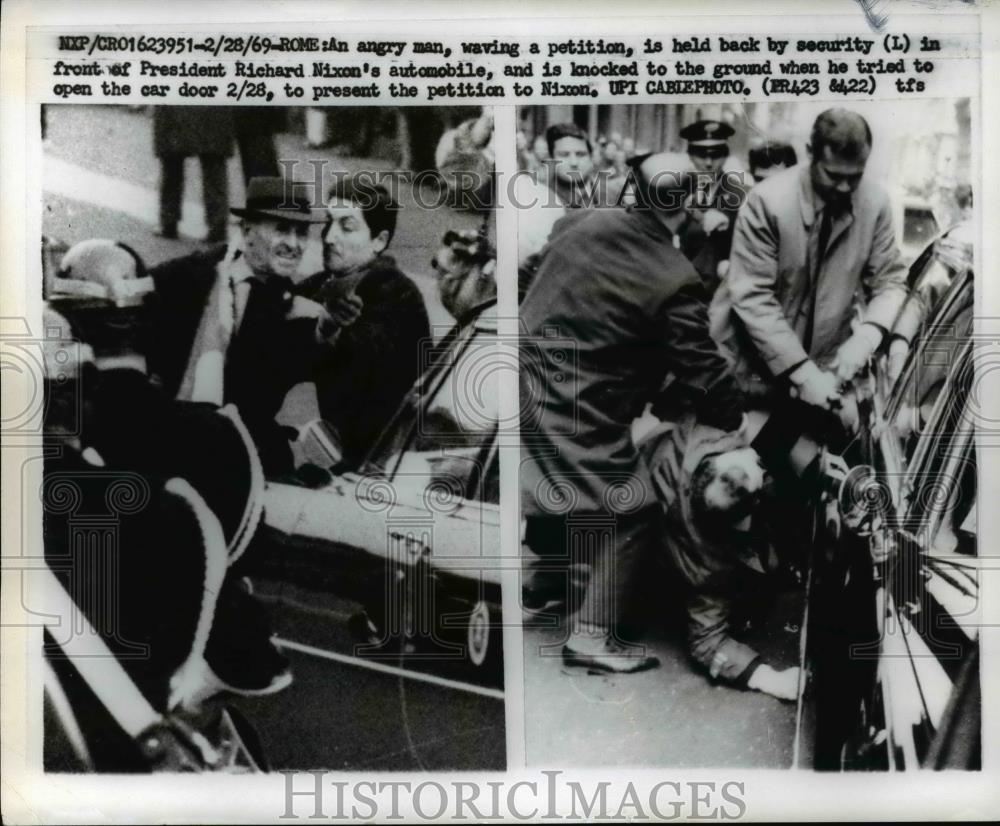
(267, 357)
(375, 361)
(193, 130)
(705, 558)
(132, 556)
(613, 309)
(707, 251)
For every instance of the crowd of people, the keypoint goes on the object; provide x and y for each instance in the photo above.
(738, 312)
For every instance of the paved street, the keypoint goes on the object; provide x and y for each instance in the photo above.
(671, 716)
(346, 712)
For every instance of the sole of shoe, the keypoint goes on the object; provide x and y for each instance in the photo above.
(595, 667)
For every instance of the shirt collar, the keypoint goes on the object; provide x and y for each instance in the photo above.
(239, 270)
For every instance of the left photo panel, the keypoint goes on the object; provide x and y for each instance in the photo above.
(271, 498)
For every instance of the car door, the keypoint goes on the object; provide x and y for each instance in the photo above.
(909, 686)
(423, 512)
(929, 600)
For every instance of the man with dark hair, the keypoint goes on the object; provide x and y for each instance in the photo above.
(810, 243)
(566, 186)
(615, 307)
(709, 484)
(378, 311)
(769, 158)
(707, 238)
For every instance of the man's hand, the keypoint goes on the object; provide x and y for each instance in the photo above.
(712, 220)
(848, 412)
(854, 353)
(781, 684)
(814, 386)
(345, 309)
(341, 301)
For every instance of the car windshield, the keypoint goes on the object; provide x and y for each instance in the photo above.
(934, 356)
(444, 434)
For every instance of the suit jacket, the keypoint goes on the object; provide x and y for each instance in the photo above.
(375, 361)
(613, 309)
(707, 251)
(760, 313)
(267, 356)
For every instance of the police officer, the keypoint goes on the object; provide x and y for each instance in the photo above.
(713, 205)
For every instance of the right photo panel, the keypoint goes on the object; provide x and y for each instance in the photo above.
(748, 471)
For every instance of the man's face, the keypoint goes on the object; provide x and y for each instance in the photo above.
(707, 161)
(835, 179)
(273, 246)
(739, 478)
(347, 241)
(573, 161)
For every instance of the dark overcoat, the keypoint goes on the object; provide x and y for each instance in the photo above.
(267, 357)
(613, 309)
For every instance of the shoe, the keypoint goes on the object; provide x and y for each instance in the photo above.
(547, 593)
(241, 653)
(614, 658)
(266, 672)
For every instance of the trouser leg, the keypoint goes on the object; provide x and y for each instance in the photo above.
(544, 572)
(171, 188)
(709, 641)
(613, 545)
(215, 194)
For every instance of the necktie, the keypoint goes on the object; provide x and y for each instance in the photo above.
(826, 225)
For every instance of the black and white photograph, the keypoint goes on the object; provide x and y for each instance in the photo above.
(748, 471)
(271, 482)
(489, 412)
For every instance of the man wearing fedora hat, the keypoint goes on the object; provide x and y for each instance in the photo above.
(708, 238)
(227, 327)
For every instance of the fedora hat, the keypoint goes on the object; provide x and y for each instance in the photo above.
(276, 198)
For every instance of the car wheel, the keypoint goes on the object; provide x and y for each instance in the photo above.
(477, 634)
